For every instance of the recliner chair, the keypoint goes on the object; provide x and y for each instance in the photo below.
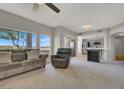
(62, 59)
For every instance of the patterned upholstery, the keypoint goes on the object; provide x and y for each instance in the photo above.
(16, 57)
(33, 54)
(8, 68)
(5, 57)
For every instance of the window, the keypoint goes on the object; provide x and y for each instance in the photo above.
(34, 40)
(22, 39)
(12, 39)
(44, 41)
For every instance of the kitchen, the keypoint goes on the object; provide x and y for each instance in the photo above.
(92, 46)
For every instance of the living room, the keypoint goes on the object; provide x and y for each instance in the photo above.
(61, 50)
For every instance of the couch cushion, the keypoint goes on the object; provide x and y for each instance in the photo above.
(10, 66)
(33, 54)
(5, 57)
(33, 61)
(16, 57)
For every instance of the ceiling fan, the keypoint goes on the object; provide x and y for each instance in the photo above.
(50, 5)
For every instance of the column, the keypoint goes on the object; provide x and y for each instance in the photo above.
(112, 48)
(29, 40)
(107, 45)
(38, 41)
(52, 44)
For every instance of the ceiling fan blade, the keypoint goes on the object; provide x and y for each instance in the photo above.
(35, 7)
(53, 7)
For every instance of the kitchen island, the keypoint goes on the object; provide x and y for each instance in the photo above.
(95, 54)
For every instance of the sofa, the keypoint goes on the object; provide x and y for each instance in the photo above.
(9, 68)
(62, 59)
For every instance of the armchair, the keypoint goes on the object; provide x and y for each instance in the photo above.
(62, 59)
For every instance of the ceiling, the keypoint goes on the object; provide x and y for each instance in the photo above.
(72, 16)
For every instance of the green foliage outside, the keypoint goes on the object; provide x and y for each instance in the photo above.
(12, 35)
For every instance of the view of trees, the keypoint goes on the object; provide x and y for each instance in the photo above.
(10, 38)
(14, 36)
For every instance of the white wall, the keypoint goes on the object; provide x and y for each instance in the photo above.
(59, 33)
(20, 23)
(107, 48)
(66, 42)
(79, 44)
(111, 46)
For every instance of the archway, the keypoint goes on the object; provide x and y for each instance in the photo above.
(118, 47)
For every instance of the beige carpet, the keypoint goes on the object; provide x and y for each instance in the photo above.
(80, 74)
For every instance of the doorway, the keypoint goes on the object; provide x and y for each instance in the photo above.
(119, 46)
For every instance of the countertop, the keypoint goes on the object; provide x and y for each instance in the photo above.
(94, 48)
